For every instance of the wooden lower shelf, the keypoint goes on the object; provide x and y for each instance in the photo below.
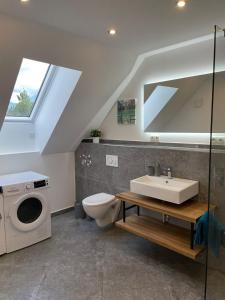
(167, 235)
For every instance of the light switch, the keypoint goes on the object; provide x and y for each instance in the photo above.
(112, 161)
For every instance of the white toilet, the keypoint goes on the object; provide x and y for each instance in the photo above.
(102, 207)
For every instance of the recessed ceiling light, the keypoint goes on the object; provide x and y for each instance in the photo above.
(24, 1)
(112, 31)
(181, 3)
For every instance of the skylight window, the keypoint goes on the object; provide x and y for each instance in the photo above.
(30, 80)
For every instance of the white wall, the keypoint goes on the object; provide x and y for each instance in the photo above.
(19, 147)
(59, 167)
(103, 68)
(17, 137)
(55, 100)
(194, 59)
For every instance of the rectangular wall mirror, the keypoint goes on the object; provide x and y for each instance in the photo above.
(184, 105)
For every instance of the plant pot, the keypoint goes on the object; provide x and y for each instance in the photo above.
(96, 140)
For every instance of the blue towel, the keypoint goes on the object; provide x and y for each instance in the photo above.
(212, 235)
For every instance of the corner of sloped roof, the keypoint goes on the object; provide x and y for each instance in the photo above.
(55, 102)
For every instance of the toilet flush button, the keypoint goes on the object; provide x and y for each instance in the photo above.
(112, 161)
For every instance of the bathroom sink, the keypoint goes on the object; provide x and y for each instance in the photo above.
(175, 190)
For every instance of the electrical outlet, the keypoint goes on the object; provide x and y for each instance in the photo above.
(154, 138)
(218, 141)
(112, 161)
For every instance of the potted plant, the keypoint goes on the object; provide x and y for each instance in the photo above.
(96, 134)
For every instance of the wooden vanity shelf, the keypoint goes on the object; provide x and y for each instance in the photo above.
(170, 236)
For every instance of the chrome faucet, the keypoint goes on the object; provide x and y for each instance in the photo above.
(165, 171)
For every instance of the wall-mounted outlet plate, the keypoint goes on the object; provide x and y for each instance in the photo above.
(154, 139)
(112, 161)
(218, 141)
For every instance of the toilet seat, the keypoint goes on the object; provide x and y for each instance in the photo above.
(98, 199)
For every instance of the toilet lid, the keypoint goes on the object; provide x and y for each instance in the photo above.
(97, 199)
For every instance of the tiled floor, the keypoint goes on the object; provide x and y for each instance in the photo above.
(82, 262)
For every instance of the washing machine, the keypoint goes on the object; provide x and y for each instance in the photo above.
(27, 217)
(2, 227)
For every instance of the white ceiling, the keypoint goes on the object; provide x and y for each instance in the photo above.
(142, 25)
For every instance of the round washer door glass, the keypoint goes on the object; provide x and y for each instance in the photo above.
(29, 210)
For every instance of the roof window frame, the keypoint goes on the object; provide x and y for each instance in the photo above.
(45, 86)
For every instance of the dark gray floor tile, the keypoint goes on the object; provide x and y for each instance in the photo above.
(83, 262)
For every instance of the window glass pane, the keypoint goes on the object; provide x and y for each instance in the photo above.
(28, 84)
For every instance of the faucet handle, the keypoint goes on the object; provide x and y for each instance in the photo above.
(169, 172)
(166, 170)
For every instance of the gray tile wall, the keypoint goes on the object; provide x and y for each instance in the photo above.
(133, 162)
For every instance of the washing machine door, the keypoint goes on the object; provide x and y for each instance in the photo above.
(29, 212)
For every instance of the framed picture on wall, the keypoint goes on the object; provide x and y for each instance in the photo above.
(126, 111)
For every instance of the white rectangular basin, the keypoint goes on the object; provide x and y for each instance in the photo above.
(175, 190)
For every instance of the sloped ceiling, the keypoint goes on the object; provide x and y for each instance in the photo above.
(77, 39)
(142, 25)
(102, 69)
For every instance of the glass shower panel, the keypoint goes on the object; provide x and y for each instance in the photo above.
(215, 281)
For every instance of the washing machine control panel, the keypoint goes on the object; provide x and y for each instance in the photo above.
(36, 185)
(17, 189)
(40, 184)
